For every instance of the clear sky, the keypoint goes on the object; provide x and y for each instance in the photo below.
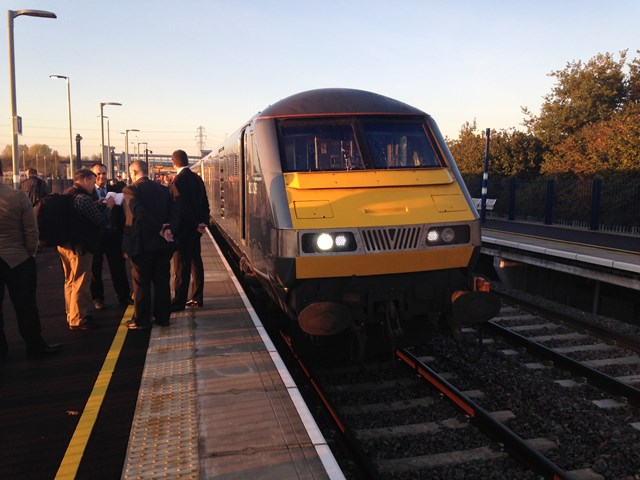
(183, 64)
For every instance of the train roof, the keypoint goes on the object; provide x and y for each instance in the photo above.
(337, 101)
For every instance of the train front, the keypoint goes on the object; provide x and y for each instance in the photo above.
(382, 229)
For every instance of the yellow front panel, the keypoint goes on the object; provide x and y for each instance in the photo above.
(369, 178)
(386, 198)
(383, 263)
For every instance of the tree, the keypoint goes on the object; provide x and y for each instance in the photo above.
(512, 152)
(468, 149)
(515, 153)
(39, 149)
(588, 123)
(584, 94)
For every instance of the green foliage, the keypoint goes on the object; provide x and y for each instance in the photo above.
(589, 125)
(511, 152)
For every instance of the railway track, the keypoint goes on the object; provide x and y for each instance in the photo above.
(554, 420)
(509, 413)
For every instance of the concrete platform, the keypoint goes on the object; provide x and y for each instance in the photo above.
(216, 401)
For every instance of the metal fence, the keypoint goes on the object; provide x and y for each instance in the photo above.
(610, 205)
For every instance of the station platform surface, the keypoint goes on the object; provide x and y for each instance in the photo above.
(216, 401)
(619, 254)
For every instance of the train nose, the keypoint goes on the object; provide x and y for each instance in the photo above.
(324, 318)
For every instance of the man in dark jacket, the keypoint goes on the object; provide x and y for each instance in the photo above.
(76, 255)
(109, 246)
(34, 186)
(189, 192)
(150, 215)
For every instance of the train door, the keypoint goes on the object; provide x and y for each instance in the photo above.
(251, 179)
(245, 150)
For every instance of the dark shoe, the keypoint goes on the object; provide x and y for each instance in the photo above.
(83, 326)
(46, 351)
(194, 303)
(135, 326)
(98, 305)
(162, 324)
(176, 307)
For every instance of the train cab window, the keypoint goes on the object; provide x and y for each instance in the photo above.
(319, 146)
(399, 144)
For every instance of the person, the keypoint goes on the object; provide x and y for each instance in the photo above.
(18, 245)
(76, 255)
(110, 246)
(118, 185)
(189, 192)
(147, 240)
(34, 186)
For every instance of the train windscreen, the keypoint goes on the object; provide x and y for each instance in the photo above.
(399, 144)
(355, 144)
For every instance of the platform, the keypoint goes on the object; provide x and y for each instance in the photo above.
(609, 258)
(216, 401)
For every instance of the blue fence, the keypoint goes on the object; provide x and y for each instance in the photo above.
(610, 205)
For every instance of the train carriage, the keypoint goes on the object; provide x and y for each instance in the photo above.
(347, 206)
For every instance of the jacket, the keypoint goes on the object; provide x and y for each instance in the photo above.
(147, 206)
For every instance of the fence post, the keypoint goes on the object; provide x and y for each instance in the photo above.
(512, 199)
(596, 190)
(485, 178)
(548, 211)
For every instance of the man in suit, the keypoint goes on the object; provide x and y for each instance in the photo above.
(109, 246)
(18, 245)
(189, 192)
(150, 214)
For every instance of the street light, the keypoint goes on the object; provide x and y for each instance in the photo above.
(15, 120)
(126, 150)
(110, 163)
(78, 166)
(108, 136)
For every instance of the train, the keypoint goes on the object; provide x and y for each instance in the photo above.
(347, 207)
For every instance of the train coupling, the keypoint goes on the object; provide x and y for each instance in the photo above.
(477, 306)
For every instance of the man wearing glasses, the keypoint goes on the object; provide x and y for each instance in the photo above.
(110, 246)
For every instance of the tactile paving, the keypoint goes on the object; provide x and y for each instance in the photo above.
(164, 436)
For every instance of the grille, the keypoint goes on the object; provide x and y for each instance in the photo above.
(391, 239)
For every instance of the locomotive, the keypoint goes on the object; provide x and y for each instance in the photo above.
(348, 208)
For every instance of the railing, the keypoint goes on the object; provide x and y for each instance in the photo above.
(610, 205)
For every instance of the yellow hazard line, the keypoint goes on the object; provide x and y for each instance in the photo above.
(72, 457)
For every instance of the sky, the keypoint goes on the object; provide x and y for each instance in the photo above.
(176, 66)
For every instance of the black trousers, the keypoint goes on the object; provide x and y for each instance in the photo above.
(151, 269)
(110, 246)
(21, 281)
(187, 263)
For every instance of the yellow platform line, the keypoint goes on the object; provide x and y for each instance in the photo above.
(73, 456)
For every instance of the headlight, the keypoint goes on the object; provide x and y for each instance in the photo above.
(433, 236)
(325, 242)
(451, 235)
(447, 235)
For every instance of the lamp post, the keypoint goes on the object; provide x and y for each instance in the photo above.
(110, 163)
(126, 150)
(108, 137)
(141, 143)
(16, 127)
(70, 130)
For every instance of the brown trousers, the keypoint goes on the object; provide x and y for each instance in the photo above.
(77, 282)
